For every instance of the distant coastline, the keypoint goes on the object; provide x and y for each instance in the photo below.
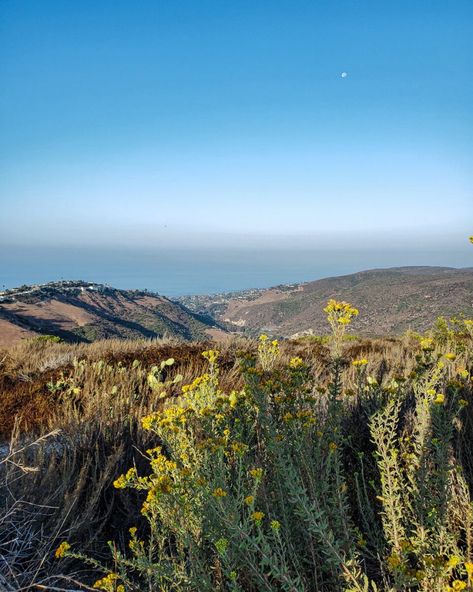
(174, 273)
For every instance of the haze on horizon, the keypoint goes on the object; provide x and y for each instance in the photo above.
(214, 124)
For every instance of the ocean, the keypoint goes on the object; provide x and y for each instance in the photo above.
(177, 272)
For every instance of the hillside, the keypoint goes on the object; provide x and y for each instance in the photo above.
(390, 301)
(79, 311)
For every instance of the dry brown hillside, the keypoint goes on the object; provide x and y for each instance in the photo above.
(77, 311)
(390, 301)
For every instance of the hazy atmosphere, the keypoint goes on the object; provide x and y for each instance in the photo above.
(246, 127)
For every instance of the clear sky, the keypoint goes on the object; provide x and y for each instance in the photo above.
(203, 122)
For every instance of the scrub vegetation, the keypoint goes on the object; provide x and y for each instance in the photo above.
(292, 466)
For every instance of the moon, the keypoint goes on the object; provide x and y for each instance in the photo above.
(344, 74)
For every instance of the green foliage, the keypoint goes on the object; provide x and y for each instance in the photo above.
(48, 339)
(288, 485)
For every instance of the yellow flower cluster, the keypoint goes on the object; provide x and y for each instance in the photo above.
(195, 384)
(62, 550)
(256, 473)
(360, 363)
(148, 421)
(295, 362)
(171, 417)
(427, 343)
(452, 561)
(457, 586)
(257, 517)
(219, 492)
(108, 584)
(268, 352)
(211, 355)
(340, 312)
(160, 463)
(239, 448)
(124, 480)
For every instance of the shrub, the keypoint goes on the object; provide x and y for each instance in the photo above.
(291, 484)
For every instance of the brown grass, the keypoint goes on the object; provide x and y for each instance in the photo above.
(29, 368)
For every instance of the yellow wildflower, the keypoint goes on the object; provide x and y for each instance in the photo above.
(453, 561)
(249, 500)
(359, 363)
(336, 310)
(219, 492)
(332, 446)
(427, 343)
(275, 525)
(148, 421)
(257, 517)
(62, 550)
(211, 355)
(107, 583)
(256, 473)
(295, 362)
(239, 448)
(439, 399)
(469, 568)
(233, 399)
(458, 585)
(450, 356)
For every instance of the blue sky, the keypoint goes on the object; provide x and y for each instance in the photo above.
(206, 123)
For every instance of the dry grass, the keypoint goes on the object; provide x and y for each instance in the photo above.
(29, 370)
(96, 395)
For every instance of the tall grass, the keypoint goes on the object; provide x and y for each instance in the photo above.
(292, 466)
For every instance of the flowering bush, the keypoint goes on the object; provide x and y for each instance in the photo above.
(290, 485)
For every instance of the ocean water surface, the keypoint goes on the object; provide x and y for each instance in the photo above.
(175, 272)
